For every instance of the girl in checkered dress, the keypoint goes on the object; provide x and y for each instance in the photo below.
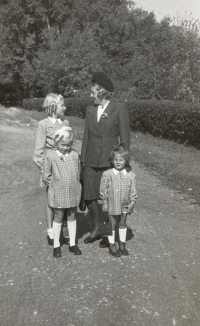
(54, 105)
(61, 175)
(118, 194)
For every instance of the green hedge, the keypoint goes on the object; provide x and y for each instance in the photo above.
(178, 121)
(74, 106)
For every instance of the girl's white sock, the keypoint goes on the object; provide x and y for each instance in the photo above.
(50, 233)
(56, 234)
(111, 238)
(122, 234)
(72, 232)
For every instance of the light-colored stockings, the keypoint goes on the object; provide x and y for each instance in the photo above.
(72, 232)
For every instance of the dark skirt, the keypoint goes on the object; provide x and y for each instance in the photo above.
(91, 180)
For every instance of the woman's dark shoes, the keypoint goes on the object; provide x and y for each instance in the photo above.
(57, 252)
(49, 240)
(104, 243)
(114, 251)
(75, 249)
(90, 239)
(122, 249)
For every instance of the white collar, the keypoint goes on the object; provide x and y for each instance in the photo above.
(116, 171)
(103, 107)
(60, 154)
(54, 120)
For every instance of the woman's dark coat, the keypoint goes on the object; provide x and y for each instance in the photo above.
(100, 137)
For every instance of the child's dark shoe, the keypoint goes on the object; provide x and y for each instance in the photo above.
(122, 249)
(75, 249)
(49, 240)
(114, 251)
(57, 252)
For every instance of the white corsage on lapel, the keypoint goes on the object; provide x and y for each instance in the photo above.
(104, 115)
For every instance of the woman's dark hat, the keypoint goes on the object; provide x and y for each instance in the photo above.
(103, 79)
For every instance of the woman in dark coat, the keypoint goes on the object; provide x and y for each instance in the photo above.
(106, 125)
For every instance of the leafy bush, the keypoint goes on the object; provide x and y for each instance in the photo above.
(178, 121)
(74, 106)
(33, 104)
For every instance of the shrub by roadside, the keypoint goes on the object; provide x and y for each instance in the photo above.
(74, 106)
(178, 121)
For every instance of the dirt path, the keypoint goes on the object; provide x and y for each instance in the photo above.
(158, 284)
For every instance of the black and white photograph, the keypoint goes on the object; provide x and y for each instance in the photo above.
(99, 163)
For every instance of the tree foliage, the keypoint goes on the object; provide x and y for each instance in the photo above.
(51, 45)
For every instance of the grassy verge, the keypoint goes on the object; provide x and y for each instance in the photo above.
(176, 165)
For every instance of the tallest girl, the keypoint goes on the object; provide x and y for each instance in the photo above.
(106, 125)
(55, 108)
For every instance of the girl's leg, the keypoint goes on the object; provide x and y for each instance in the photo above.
(112, 220)
(111, 238)
(71, 224)
(122, 234)
(57, 223)
(49, 218)
(65, 229)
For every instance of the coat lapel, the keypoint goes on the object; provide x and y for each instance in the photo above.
(110, 108)
(93, 116)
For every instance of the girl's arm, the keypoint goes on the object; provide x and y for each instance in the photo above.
(104, 186)
(40, 145)
(47, 170)
(133, 191)
(133, 194)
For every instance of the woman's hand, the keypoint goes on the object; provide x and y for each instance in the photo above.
(105, 207)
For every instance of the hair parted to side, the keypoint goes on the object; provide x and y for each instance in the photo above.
(120, 149)
(102, 91)
(50, 103)
(63, 133)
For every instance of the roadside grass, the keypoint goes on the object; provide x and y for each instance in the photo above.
(176, 165)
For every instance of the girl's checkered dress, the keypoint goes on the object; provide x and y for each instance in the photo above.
(45, 138)
(62, 176)
(114, 189)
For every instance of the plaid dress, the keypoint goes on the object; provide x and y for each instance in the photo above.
(44, 140)
(116, 188)
(61, 174)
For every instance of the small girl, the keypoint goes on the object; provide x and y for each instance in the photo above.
(54, 105)
(118, 194)
(61, 175)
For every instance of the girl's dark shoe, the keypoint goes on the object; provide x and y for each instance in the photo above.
(114, 251)
(90, 239)
(104, 243)
(122, 249)
(75, 249)
(49, 240)
(57, 252)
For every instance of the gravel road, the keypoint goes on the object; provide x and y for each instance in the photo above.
(158, 284)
